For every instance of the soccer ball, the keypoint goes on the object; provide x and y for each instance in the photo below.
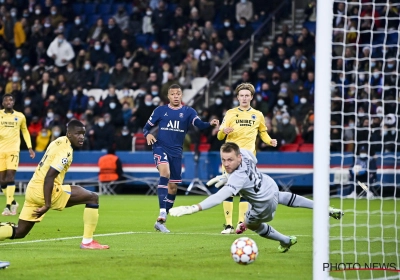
(244, 250)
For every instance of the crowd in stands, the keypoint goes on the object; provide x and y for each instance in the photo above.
(53, 52)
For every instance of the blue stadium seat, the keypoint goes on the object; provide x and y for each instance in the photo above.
(91, 19)
(144, 40)
(311, 26)
(129, 8)
(78, 8)
(172, 7)
(90, 8)
(114, 8)
(378, 39)
(393, 38)
(106, 18)
(104, 9)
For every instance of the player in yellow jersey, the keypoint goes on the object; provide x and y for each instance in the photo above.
(46, 190)
(11, 124)
(241, 125)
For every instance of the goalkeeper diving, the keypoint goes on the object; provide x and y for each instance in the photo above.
(241, 125)
(261, 192)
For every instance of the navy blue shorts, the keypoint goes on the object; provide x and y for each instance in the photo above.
(175, 163)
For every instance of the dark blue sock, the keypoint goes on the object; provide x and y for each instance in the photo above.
(170, 201)
(162, 191)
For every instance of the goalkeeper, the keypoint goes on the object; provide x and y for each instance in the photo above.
(259, 189)
(241, 125)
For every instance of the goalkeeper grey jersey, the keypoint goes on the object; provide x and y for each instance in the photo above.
(247, 180)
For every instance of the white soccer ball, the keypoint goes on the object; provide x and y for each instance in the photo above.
(244, 250)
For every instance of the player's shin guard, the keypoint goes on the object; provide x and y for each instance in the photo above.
(10, 192)
(294, 200)
(269, 232)
(90, 218)
(162, 192)
(228, 209)
(7, 231)
(170, 199)
(243, 207)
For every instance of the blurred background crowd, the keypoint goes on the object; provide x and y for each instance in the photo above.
(54, 52)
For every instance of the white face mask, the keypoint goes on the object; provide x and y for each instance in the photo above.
(376, 75)
(26, 68)
(303, 100)
(351, 124)
(163, 55)
(363, 155)
(154, 46)
(227, 24)
(91, 103)
(101, 124)
(50, 115)
(77, 21)
(227, 92)
(14, 79)
(284, 90)
(278, 117)
(27, 102)
(113, 105)
(235, 103)
(125, 133)
(373, 64)
(286, 65)
(361, 114)
(44, 134)
(86, 66)
(203, 58)
(56, 133)
(385, 132)
(155, 103)
(37, 12)
(270, 67)
(53, 12)
(218, 101)
(70, 70)
(97, 47)
(303, 65)
(70, 115)
(148, 103)
(390, 66)
(285, 121)
(281, 102)
(361, 77)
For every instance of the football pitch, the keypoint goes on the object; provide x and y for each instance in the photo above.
(194, 249)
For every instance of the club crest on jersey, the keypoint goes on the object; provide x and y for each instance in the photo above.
(253, 117)
(16, 119)
(181, 115)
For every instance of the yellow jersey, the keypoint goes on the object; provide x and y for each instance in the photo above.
(10, 126)
(246, 126)
(58, 155)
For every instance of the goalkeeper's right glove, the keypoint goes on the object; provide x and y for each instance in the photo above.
(219, 181)
(183, 210)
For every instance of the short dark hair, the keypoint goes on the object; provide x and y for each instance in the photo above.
(73, 124)
(229, 147)
(174, 86)
(7, 95)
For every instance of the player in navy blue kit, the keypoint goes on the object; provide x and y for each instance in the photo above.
(174, 121)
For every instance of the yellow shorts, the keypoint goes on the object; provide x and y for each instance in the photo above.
(9, 161)
(34, 199)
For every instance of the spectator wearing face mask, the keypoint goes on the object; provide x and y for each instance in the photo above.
(93, 106)
(302, 109)
(55, 133)
(126, 113)
(120, 75)
(286, 130)
(79, 102)
(244, 31)
(244, 9)
(218, 107)
(19, 60)
(14, 83)
(144, 112)
(101, 135)
(86, 75)
(363, 170)
(42, 140)
(114, 109)
(60, 51)
(204, 66)
(78, 30)
(97, 53)
(123, 141)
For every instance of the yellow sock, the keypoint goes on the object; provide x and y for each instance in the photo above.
(90, 218)
(6, 232)
(243, 207)
(228, 209)
(10, 194)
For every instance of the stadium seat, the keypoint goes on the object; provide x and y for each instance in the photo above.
(204, 147)
(104, 9)
(140, 142)
(97, 93)
(199, 83)
(91, 19)
(299, 139)
(78, 8)
(90, 8)
(129, 8)
(307, 148)
(289, 148)
(188, 94)
(203, 139)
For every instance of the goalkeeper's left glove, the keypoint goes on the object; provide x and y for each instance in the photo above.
(219, 181)
(183, 210)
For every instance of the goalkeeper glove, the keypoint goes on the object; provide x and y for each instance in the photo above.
(219, 181)
(183, 210)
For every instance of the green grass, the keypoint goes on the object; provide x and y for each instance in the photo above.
(194, 250)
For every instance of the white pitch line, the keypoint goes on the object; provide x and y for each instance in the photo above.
(136, 232)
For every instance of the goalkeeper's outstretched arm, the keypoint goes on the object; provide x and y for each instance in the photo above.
(209, 202)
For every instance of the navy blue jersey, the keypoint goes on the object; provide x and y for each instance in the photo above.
(173, 124)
